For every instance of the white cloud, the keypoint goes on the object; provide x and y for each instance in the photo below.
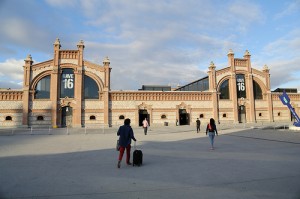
(11, 73)
(12, 68)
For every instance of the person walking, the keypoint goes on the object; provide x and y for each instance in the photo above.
(145, 125)
(198, 123)
(125, 134)
(211, 129)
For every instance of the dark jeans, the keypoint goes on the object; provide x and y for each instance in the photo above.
(145, 130)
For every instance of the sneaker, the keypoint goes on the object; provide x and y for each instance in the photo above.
(119, 164)
(129, 163)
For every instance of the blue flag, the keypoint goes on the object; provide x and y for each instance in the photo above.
(286, 101)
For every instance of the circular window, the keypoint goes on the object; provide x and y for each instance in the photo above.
(92, 117)
(163, 117)
(121, 117)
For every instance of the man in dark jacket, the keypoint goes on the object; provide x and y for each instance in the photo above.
(126, 134)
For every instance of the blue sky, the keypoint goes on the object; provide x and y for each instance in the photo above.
(154, 42)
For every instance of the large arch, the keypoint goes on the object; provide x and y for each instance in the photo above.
(96, 79)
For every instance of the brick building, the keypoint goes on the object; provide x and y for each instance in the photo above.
(70, 91)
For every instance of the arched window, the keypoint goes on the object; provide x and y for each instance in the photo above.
(8, 118)
(278, 114)
(42, 89)
(92, 117)
(121, 117)
(257, 91)
(163, 117)
(224, 90)
(224, 115)
(201, 116)
(40, 118)
(91, 90)
(260, 114)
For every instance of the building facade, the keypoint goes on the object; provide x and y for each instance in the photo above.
(71, 91)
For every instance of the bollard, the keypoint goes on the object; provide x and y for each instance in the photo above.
(12, 131)
(67, 131)
(49, 131)
(85, 130)
(31, 130)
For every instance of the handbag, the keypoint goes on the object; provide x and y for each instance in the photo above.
(118, 145)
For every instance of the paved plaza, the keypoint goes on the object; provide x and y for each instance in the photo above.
(178, 163)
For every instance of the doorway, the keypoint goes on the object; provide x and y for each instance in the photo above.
(66, 116)
(183, 117)
(242, 114)
(142, 115)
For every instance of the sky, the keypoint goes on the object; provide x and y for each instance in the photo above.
(157, 42)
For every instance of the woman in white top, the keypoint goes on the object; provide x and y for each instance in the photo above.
(145, 125)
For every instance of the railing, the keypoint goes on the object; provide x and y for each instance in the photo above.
(103, 129)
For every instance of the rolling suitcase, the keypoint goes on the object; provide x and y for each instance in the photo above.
(137, 157)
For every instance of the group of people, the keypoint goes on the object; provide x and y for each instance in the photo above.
(126, 134)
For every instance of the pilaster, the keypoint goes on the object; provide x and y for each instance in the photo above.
(107, 69)
(212, 76)
(54, 92)
(266, 71)
(250, 96)
(80, 47)
(77, 110)
(247, 56)
(230, 56)
(233, 96)
(26, 88)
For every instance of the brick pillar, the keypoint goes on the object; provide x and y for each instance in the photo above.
(266, 71)
(77, 109)
(213, 89)
(106, 90)
(54, 92)
(232, 88)
(250, 97)
(26, 89)
(54, 87)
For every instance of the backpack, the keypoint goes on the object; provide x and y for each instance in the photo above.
(210, 128)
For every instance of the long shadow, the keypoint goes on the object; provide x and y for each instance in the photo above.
(239, 167)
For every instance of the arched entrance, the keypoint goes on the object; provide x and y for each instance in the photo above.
(66, 116)
(242, 114)
(184, 118)
(142, 115)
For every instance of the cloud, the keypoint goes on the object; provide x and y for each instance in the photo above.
(290, 9)
(12, 68)
(11, 73)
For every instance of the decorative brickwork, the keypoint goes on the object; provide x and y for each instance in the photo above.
(18, 107)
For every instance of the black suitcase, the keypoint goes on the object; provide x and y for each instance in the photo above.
(137, 158)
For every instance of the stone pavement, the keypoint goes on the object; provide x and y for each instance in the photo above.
(178, 163)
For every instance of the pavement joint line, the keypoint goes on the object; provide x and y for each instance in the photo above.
(242, 136)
